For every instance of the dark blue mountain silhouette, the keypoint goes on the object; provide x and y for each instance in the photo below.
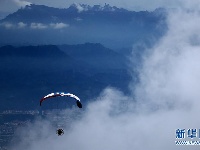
(31, 51)
(30, 72)
(45, 14)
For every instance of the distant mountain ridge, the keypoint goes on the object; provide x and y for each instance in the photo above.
(42, 13)
(80, 23)
(31, 51)
(29, 72)
(85, 7)
(94, 54)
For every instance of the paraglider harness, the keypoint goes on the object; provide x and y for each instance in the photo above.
(60, 132)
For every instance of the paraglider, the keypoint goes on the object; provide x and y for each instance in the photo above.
(57, 94)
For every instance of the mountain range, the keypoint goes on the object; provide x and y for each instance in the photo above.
(30, 72)
(81, 48)
(111, 26)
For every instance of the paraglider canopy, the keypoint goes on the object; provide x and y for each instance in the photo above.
(57, 94)
(78, 103)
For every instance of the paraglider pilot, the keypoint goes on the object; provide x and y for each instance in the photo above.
(60, 132)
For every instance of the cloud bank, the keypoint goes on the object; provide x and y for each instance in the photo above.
(59, 25)
(165, 99)
(39, 26)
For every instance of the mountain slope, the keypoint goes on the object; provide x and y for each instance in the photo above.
(30, 72)
(96, 55)
(31, 51)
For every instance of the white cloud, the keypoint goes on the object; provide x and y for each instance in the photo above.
(59, 25)
(173, 67)
(7, 25)
(21, 25)
(78, 19)
(22, 3)
(79, 7)
(38, 26)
